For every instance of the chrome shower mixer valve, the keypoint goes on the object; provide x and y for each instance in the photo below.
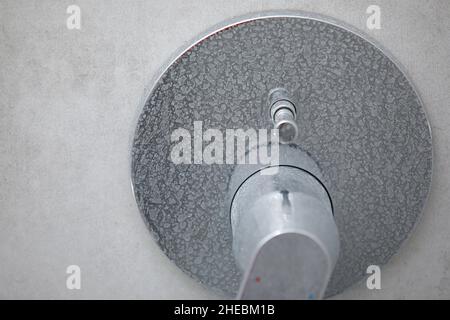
(281, 155)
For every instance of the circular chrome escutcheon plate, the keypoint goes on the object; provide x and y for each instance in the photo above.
(358, 117)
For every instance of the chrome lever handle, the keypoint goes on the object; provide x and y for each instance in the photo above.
(285, 239)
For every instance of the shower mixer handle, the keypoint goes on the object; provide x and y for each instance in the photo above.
(285, 240)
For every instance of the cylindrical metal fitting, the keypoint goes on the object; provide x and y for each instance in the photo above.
(283, 114)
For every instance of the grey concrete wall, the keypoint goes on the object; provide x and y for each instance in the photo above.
(69, 100)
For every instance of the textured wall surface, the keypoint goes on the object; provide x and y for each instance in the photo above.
(69, 102)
